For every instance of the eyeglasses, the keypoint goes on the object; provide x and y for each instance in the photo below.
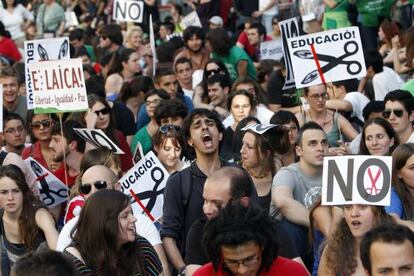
(19, 129)
(213, 72)
(153, 102)
(248, 262)
(103, 111)
(164, 129)
(45, 123)
(323, 96)
(86, 188)
(387, 113)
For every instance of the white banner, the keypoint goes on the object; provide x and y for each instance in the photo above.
(58, 86)
(145, 184)
(40, 50)
(52, 191)
(128, 10)
(357, 180)
(191, 19)
(98, 138)
(288, 28)
(271, 50)
(327, 56)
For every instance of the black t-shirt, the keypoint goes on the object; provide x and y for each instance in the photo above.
(276, 94)
(195, 253)
(226, 146)
(124, 119)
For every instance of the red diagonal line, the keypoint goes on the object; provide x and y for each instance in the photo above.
(318, 66)
(142, 205)
(374, 180)
(41, 177)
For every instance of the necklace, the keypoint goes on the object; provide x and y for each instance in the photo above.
(260, 176)
(324, 119)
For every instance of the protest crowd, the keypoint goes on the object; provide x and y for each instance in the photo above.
(207, 137)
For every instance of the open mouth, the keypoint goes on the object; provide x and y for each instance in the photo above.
(207, 140)
(356, 223)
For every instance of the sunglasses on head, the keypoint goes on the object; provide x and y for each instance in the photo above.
(45, 123)
(103, 111)
(164, 129)
(85, 188)
(213, 72)
(387, 113)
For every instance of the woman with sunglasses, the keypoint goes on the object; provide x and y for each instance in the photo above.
(331, 122)
(25, 222)
(105, 240)
(378, 138)
(258, 155)
(168, 144)
(41, 134)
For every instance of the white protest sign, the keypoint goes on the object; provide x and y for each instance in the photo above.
(128, 10)
(145, 183)
(98, 138)
(327, 56)
(357, 180)
(191, 19)
(39, 50)
(71, 19)
(58, 86)
(153, 47)
(52, 191)
(259, 128)
(288, 28)
(271, 50)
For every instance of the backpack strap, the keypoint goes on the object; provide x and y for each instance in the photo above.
(186, 182)
(3, 155)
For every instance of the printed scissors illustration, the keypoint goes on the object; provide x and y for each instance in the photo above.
(353, 67)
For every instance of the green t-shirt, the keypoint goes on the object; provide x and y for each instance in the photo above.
(336, 17)
(144, 138)
(370, 10)
(409, 86)
(236, 54)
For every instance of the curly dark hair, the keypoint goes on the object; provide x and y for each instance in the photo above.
(237, 225)
(388, 129)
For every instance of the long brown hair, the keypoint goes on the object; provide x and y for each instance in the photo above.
(28, 229)
(96, 233)
(399, 158)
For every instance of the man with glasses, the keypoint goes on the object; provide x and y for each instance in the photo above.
(12, 102)
(398, 112)
(14, 133)
(242, 241)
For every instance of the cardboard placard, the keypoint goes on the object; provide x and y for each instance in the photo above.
(191, 19)
(145, 184)
(288, 28)
(52, 191)
(58, 86)
(98, 138)
(357, 179)
(40, 50)
(128, 10)
(153, 47)
(327, 56)
(271, 50)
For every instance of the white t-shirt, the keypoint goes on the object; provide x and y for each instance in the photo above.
(272, 11)
(145, 228)
(263, 114)
(411, 139)
(358, 102)
(13, 21)
(386, 81)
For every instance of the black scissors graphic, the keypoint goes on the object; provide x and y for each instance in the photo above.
(353, 67)
(44, 189)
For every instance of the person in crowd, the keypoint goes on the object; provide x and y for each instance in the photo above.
(110, 39)
(12, 101)
(195, 49)
(134, 40)
(176, 11)
(215, 22)
(245, 9)
(183, 201)
(340, 255)
(276, 34)
(333, 123)
(378, 138)
(166, 29)
(388, 248)
(336, 14)
(14, 133)
(387, 30)
(9, 52)
(122, 68)
(50, 20)
(238, 137)
(235, 250)
(16, 18)
(236, 60)
(295, 187)
(256, 34)
(384, 79)
(168, 145)
(107, 217)
(398, 112)
(259, 159)
(184, 73)
(77, 40)
(25, 221)
(402, 53)
(40, 130)
(218, 87)
(266, 11)
(288, 119)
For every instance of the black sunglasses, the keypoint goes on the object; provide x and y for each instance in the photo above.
(164, 129)
(45, 123)
(86, 188)
(213, 72)
(387, 113)
(103, 111)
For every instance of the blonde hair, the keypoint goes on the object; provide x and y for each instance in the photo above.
(130, 31)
